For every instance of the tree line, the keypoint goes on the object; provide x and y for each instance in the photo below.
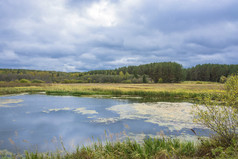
(163, 72)
(210, 72)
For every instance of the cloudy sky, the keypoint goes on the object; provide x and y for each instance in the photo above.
(82, 35)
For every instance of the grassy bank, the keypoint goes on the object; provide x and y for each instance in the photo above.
(151, 148)
(153, 92)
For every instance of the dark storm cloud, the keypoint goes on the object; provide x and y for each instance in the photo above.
(184, 15)
(70, 35)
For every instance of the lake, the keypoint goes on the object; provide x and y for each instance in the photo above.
(41, 122)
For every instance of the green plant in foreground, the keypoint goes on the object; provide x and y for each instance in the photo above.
(222, 117)
(150, 148)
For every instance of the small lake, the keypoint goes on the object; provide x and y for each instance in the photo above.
(41, 122)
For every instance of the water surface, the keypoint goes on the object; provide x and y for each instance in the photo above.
(40, 122)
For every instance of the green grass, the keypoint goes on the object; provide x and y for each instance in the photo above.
(150, 148)
(149, 92)
(146, 95)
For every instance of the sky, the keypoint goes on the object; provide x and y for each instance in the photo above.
(83, 35)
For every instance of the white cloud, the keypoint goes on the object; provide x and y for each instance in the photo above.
(102, 13)
(107, 33)
(8, 55)
(124, 61)
(88, 56)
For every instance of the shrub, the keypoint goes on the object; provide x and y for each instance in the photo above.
(37, 81)
(79, 81)
(160, 80)
(223, 79)
(198, 82)
(221, 115)
(25, 81)
(126, 81)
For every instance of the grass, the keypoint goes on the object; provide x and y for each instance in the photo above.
(14, 84)
(151, 92)
(150, 148)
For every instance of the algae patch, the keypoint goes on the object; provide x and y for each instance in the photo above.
(174, 116)
(5, 102)
(106, 120)
(56, 110)
(82, 110)
(85, 111)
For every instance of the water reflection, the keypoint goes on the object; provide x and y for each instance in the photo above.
(37, 122)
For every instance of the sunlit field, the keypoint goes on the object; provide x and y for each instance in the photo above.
(184, 90)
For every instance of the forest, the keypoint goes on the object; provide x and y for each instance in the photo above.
(163, 72)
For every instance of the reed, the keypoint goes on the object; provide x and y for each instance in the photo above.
(150, 148)
(150, 92)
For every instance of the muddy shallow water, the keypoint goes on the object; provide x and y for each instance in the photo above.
(41, 122)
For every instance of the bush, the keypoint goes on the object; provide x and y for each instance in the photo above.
(25, 81)
(79, 81)
(223, 79)
(198, 82)
(231, 86)
(221, 115)
(126, 81)
(37, 81)
(160, 80)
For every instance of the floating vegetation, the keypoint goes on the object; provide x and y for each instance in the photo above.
(81, 110)
(175, 116)
(56, 110)
(5, 102)
(85, 111)
(106, 120)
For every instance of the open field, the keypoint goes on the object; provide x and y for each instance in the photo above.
(185, 90)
